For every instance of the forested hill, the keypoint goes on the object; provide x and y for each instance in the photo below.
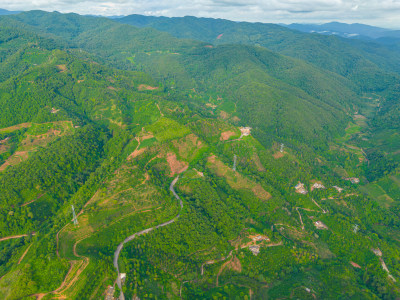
(223, 169)
(356, 60)
(300, 95)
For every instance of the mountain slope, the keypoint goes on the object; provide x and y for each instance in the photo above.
(346, 57)
(319, 94)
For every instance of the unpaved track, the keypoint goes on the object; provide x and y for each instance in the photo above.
(14, 237)
(133, 236)
(23, 255)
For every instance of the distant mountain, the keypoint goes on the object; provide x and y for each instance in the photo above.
(362, 61)
(4, 12)
(355, 30)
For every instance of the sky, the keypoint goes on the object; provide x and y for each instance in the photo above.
(384, 13)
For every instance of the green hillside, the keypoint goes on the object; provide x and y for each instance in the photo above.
(362, 62)
(199, 171)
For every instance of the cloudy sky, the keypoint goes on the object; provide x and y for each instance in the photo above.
(384, 13)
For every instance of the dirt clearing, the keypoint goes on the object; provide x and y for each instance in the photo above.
(260, 192)
(16, 127)
(144, 87)
(227, 135)
(278, 155)
(62, 68)
(136, 153)
(175, 165)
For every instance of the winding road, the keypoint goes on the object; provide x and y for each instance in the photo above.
(133, 236)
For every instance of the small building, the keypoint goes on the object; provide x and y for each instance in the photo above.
(54, 111)
(320, 225)
(255, 249)
(246, 131)
(122, 276)
(353, 180)
(300, 188)
(339, 189)
(317, 186)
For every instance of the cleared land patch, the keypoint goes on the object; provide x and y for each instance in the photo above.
(144, 87)
(236, 180)
(38, 135)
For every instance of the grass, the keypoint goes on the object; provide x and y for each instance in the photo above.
(235, 179)
(385, 191)
(147, 143)
(166, 129)
(351, 130)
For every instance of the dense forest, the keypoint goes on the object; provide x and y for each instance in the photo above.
(185, 158)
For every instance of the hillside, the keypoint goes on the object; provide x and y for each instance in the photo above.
(179, 63)
(356, 60)
(135, 164)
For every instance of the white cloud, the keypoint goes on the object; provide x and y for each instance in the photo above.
(377, 12)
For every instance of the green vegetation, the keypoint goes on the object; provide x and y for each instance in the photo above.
(103, 116)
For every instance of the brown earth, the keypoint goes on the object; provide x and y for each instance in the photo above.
(208, 46)
(23, 255)
(355, 265)
(175, 165)
(260, 192)
(136, 153)
(62, 68)
(146, 137)
(235, 179)
(224, 115)
(278, 154)
(3, 148)
(235, 119)
(112, 88)
(16, 127)
(220, 36)
(226, 135)
(144, 87)
(235, 265)
(14, 237)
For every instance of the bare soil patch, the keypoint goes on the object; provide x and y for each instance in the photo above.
(226, 135)
(144, 87)
(220, 36)
(224, 115)
(235, 265)
(175, 165)
(236, 119)
(355, 265)
(23, 255)
(62, 68)
(235, 179)
(112, 88)
(16, 127)
(146, 137)
(260, 192)
(278, 155)
(3, 148)
(136, 153)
